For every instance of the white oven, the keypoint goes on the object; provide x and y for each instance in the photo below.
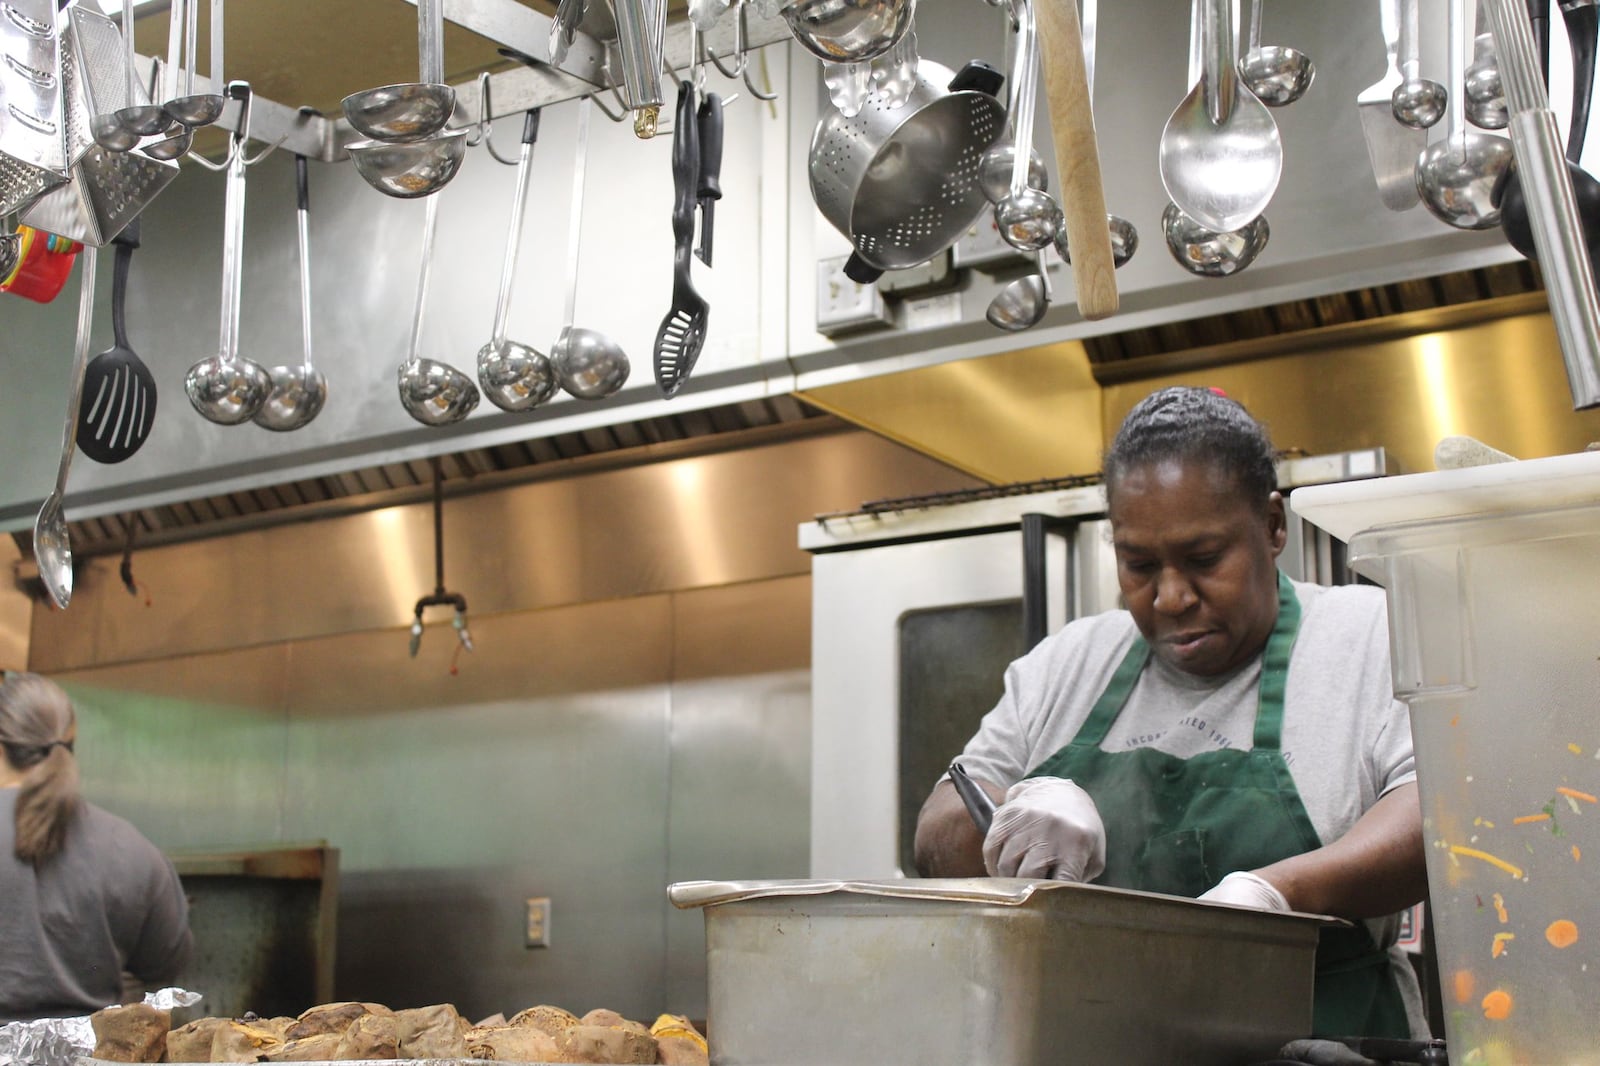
(917, 607)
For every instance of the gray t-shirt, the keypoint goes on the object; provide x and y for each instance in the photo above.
(1347, 740)
(109, 901)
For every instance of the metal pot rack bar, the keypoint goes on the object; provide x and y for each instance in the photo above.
(585, 71)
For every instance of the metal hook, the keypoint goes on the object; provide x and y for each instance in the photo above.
(486, 122)
(741, 40)
(614, 116)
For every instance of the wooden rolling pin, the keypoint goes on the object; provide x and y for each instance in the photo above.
(1083, 198)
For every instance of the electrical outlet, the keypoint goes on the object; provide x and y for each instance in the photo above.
(844, 305)
(538, 932)
(922, 280)
(982, 248)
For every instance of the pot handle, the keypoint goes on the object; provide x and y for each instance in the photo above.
(980, 76)
(860, 271)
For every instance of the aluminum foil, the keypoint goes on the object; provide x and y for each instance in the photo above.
(61, 1041)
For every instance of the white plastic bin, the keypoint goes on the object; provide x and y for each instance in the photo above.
(1493, 577)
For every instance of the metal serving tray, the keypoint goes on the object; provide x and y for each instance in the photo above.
(1002, 972)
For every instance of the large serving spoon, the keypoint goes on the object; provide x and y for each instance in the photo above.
(119, 403)
(1456, 176)
(1581, 29)
(1220, 154)
(52, 545)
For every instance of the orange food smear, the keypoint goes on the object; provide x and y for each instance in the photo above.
(1500, 908)
(1497, 1005)
(1575, 794)
(1499, 945)
(1562, 933)
(1525, 818)
(1464, 982)
(1576, 854)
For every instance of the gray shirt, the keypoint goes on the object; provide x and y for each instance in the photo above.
(109, 901)
(1347, 740)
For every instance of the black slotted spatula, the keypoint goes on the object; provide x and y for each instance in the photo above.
(119, 392)
(683, 331)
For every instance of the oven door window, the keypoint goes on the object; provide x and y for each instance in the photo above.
(952, 671)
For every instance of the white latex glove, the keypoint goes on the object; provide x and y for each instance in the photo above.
(1048, 828)
(1246, 890)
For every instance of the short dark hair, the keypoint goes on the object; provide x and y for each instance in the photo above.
(1189, 424)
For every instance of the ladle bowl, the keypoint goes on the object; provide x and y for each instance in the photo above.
(1028, 221)
(851, 32)
(1210, 253)
(410, 169)
(295, 397)
(1419, 103)
(409, 111)
(1456, 179)
(201, 109)
(515, 376)
(1276, 74)
(109, 133)
(1124, 241)
(589, 364)
(227, 391)
(144, 119)
(1020, 305)
(435, 394)
(994, 171)
(178, 141)
(1482, 89)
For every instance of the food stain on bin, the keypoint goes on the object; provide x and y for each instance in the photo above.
(1562, 933)
(1463, 983)
(1499, 946)
(1500, 908)
(1497, 1005)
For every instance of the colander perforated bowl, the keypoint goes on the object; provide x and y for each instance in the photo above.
(902, 182)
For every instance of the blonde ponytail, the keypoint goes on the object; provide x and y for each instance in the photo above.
(37, 726)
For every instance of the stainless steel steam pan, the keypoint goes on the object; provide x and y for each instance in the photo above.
(1001, 972)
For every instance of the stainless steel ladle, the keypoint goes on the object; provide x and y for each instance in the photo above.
(1418, 102)
(1023, 301)
(515, 376)
(1482, 88)
(298, 393)
(1456, 176)
(589, 364)
(409, 111)
(432, 392)
(52, 544)
(225, 388)
(146, 118)
(1029, 218)
(199, 109)
(1277, 74)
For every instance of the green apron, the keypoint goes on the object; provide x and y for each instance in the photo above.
(1177, 826)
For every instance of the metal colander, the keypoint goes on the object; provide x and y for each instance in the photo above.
(32, 159)
(105, 190)
(902, 182)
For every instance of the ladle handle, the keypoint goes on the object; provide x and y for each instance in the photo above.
(132, 86)
(191, 28)
(302, 189)
(80, 361)
(519, 204)
(175, 20)
(217, 81)
(232, 247)
(575, 228)
(430, 223)
(1410, 43)
(1460, 41)
(1024, 90)
(1083, 197)
(430, 41)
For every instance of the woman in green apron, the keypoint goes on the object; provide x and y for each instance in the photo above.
(1231, 735)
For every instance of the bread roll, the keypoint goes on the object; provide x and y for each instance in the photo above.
(552, 1020)
(319, 1048)
(611, 1020)
(192, 1042)
(431, 1033)
(599, 1043)
(238, 1042)
(493, 1021)
(135, 1033)
(371, 1036)
(511, 1043)
(278, 1027)
(331, 1018)
(681, 1051)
